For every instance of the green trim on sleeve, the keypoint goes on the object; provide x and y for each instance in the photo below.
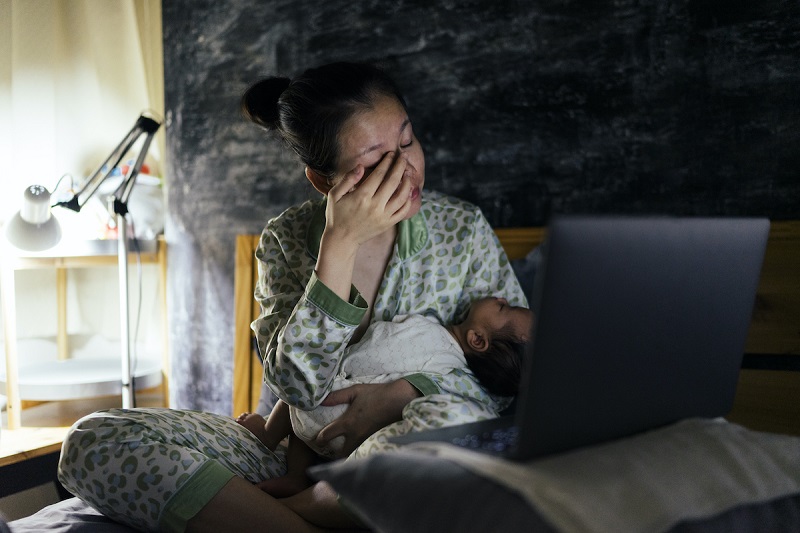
(193, 495)
(348, 313)
(423, 383)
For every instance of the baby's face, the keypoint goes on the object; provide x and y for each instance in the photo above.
(496, 314)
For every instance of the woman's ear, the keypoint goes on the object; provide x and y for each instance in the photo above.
(319, 181)
(477, 340)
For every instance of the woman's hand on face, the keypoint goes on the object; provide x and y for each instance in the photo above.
(361, 207)
(372, 406)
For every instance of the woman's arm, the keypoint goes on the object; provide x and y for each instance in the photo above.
(375, 406)
(310, 308)
(488, 273)
(304, 327)
(358, 210)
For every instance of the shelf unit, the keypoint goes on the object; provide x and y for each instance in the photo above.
(81, 377)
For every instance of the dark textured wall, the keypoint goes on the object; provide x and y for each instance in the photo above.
(523, 107)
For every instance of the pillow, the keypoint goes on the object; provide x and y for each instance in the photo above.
(402, 492)
(415, 490)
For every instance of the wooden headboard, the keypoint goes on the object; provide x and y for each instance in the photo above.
(768, 395)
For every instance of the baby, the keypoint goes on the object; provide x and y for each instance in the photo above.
(490, 342)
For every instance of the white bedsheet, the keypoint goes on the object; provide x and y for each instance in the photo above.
(69, 516)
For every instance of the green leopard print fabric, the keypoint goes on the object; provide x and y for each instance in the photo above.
(131, 464)
(445, 257)
(154, 468)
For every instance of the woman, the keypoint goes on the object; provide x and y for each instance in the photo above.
(374, 247)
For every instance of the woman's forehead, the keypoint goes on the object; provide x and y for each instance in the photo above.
(372, 129)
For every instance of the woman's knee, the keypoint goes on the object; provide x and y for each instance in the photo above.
(87, 437)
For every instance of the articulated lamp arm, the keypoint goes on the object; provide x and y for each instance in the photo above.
(145, 125)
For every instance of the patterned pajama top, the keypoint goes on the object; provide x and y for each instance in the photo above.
(444, 257)
(387, 352)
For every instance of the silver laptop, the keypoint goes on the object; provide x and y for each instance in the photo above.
(641, 322)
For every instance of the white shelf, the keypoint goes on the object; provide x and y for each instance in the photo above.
(68, 377)
(77, 378)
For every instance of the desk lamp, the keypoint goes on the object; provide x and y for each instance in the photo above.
(35, 229)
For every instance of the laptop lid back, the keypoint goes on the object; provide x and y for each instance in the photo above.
(641, 321)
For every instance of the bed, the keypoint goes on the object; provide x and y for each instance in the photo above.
(749, 464)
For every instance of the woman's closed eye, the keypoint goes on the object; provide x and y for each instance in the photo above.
(406, 136)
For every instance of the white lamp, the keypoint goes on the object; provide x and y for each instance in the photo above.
(35, 229)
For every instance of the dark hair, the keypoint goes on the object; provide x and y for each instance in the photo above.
(499, 368)
(309, 111)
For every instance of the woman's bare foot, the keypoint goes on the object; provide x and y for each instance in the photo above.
(255, 423)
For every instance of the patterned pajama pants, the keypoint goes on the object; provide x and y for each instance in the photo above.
(154, 469)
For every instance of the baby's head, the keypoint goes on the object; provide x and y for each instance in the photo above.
(493, 337)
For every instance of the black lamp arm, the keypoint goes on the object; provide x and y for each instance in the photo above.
(145, 125)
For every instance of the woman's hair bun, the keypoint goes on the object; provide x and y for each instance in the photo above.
(260, 101)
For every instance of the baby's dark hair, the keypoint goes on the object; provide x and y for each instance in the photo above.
(499, 368)
(308, 112)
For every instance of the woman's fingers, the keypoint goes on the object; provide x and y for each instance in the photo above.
(400, 201)
(386, 190)
(377, 177)
(378, 184)
(363, 205)
(372, 406)
(337, 428)
(392, 183)
(352, 425)
(347, 184)
(340, 396)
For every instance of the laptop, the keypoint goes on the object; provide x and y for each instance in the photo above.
(641, 322)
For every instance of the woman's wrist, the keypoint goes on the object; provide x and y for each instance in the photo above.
(335, 263)
(400, 394)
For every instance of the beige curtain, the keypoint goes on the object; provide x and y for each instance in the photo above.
(74, 76)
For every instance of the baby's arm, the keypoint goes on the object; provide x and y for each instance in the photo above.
(298, 456)
(278, 425)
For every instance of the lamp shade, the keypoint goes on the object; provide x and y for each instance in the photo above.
(34, 228)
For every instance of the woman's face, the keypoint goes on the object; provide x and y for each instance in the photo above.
(369, 135)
